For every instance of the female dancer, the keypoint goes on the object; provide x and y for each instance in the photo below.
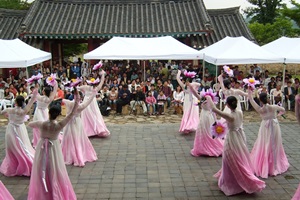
(190, 118)
(204, 144)
(41, 112)
(49, 178)
(236, 174)
(76, 146)
(19, 152)
(4, 193)
(297, 112)
(91, 116)
(267, 155)
(228, 91)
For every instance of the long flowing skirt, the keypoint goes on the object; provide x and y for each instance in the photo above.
(268, 156)
(236, 174)
(297, 194)
(204, 144)
(190, 118)
(19, 152)
(49, 173)
(76, 146)
(39, 115)
(4, 193)
(93, 121)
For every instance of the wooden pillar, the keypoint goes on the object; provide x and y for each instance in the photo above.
(60, 54)
(47, 48)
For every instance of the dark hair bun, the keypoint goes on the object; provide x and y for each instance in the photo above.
(232, 102)
(54, 111)
(20, 101)
(263, 97)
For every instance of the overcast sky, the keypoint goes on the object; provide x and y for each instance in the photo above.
(211, 4)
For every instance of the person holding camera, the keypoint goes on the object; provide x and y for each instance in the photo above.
(123, 99)
(138, 98)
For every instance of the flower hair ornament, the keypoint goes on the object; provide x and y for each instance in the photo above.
(93, 81)
(218, 129)
(51, 80)
(251, 82)
(227, 70)
(98, 66)
(210, 93)
(34, 78)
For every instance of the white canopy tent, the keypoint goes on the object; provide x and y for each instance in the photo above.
(163, 48)
(15, 54)
(288, 48)
(238, 50)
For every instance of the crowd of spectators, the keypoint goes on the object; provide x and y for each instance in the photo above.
(151, 87)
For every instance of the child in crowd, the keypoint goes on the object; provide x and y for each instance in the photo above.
(151, 102)
(161, 99)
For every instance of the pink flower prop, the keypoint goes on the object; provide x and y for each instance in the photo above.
(189, 74)
(75, 82)
(98, 65)
(93, 81)
(228, 70)
(26, 118)
(34, 78)
(210, 93)
(218, 129)
(251, 82)
(51, 80)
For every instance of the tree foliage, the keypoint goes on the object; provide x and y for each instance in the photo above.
(265, 33)
(74, 49)
(264, 11)
(15, 4)
(292, 13)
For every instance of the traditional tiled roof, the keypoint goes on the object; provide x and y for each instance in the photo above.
(82, 19)
(10, 21)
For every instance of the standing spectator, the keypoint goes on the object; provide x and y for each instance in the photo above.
(167, 92)
(151, 101)
(85, 71)
(236, 71)
(75, 71)
(68, 72)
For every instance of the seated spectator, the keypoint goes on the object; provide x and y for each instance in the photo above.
(178, 96)
(124, 97)
(151, 102)
(240, 77)
(21, 92)
(13, 90)
(289, 93)
(113, 96)
(167, 92)
(7, 97)
(138, 98)
(272, 84)
(161, 99)
(277, 94)
(3, 84)
(205, 83)
(296, 85)
(105, 95)
(69, 94)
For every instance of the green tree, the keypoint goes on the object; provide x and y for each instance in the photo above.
(265, 33)
(15, 4)
(74, 49)
(264, 11)
(292, 13)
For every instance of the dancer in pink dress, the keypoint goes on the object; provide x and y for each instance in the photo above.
(297, 112)
(49, 178)
(268, 156)
(190, 118)
(91, 116)
(236, 174)
(204, 144)
(19, 152)
(41, 111)
(4, 193)
(76, 146)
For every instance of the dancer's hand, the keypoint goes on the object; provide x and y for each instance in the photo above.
(179, 72)
(76, 97)
(102, 72)
(220, 78)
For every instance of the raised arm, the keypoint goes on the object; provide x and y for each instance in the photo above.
(63, 122)
(220, 79)
(86, 102)
(253, 103)
(31, 101)
(240, 92)
(53, 93)
(35, 124)
(178, 79)
(278, 108)
(195, 93)
(225, 115)
(99, 87)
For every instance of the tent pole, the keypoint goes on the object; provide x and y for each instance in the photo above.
(203, 66)
(144, 70)
(283, 80)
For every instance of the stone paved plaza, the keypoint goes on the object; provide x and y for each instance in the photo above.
(151, 160)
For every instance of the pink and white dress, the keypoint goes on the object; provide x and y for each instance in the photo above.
(236, 174)
(49, 178)
(4, 193)
(297, 194)
(76, 146)
(268, 156)
(204, 144)
(91, 116)
(190, 118)
(19, 152)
